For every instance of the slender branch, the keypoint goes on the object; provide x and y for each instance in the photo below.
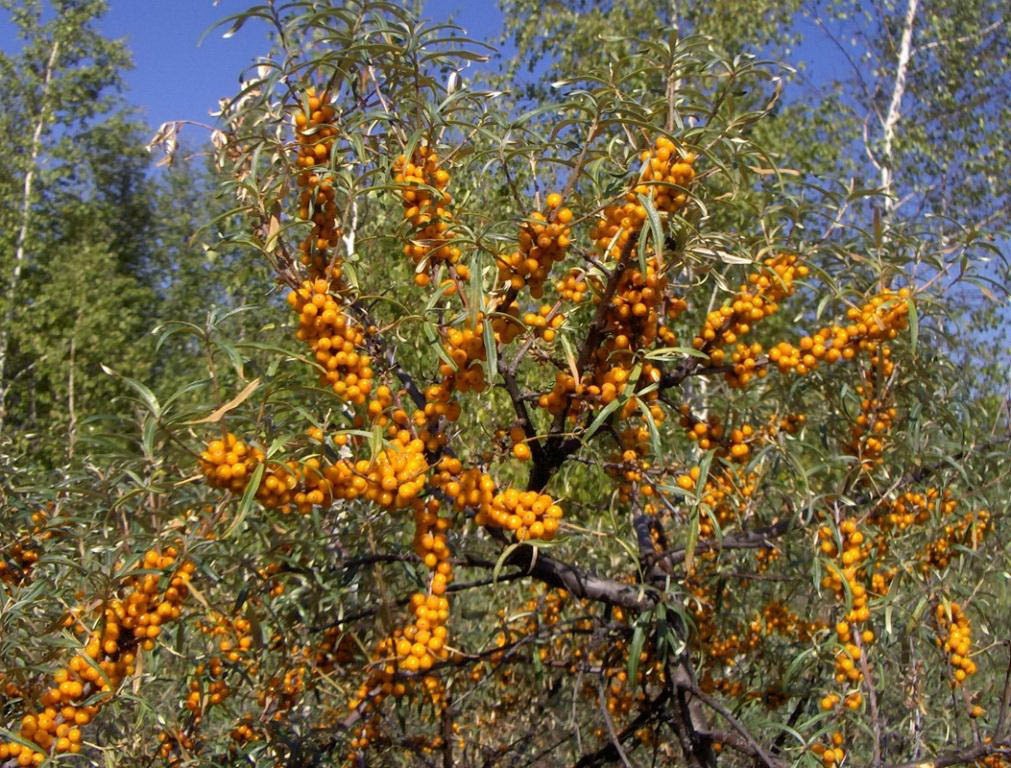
(615, 740)
(1005, 701)
(758, 752)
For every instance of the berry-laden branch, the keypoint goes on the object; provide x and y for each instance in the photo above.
(592, 375)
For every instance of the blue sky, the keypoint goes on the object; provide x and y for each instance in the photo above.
(178, 76)
(180, 72)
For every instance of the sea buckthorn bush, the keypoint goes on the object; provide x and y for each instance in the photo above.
(572, 437)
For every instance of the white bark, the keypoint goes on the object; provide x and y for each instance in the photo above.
(894, 114)
(21, 244)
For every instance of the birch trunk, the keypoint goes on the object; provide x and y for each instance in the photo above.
(894, 114)
(21, 244)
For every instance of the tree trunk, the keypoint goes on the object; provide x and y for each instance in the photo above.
(886, 164)
(21, 244)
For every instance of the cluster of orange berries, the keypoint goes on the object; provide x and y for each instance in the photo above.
(728, 488)
(22, 555)
(912, 508)
(400, 660)
(518, 442)
(545, 321)
(664, 180)
(528, 514)
(336, 341)
(572, 287)
(108, 655)
(423, 643)
(466, 349)
(294, 486)
(439, 405)
(315, 132)
(430, 541)
(234, 636)
(245, 731)
(777, 619)
(561, 397)
(852, 639)
(722, 650)
(832, 754)
(393, 478)
(467, 488)
(172, 745)
(754, 301)
(427, 208)
(735, 446)
(198, 699)
(955, 637)
(229, 462)
(967, 532)
(543, 241)
(867, 440)
(877, 321)
(633, 316)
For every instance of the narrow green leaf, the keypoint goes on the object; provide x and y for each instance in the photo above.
(914, 326)
(638, 640)
(248, 497)
(610, 408)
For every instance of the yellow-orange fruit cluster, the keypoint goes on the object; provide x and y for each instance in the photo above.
(867, 437)
(294, 486)
(545, 321)
(967, 532)
(208, 687)
(466, 349)
(853, 635)
(755, 300)
(561, 395)
(727, 492)
(955, 637)
(393, 478)
(572, 287)
(228, 463)
(108, 655)
(505, 323)
(336, 340)
(468, 488)
(912, 508)
(22, 555)
(543, 241)
(530, 515)
(430, 537)
(667, 172)
(398, 658)
(633, 318)
(428, 209)
(878, 320)
(832, 754)
(314, 133)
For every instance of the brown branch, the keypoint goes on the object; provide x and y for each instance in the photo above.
(577, 582)
(966, 755)
(608, 753)
(1005, 701)
(755, 748)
